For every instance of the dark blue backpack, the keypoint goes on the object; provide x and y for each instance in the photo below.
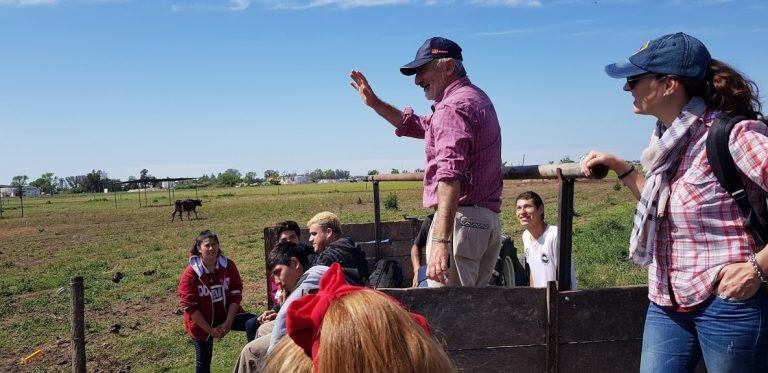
(387, 273)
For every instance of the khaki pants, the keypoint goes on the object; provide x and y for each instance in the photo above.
(476, 246)
(254, 354)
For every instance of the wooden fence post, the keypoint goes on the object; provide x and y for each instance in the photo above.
(78, 324)
(270, 240)
(564, 232)
(552, 328)
(377, 218)
(21, 200)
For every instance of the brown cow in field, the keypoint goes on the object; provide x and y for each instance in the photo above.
(186, 205)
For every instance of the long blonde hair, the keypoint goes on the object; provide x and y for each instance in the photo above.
(365, 331)
(288, 357)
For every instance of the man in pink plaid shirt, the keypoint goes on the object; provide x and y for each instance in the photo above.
(462, 173)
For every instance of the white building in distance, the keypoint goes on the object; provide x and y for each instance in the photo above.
(29, 191)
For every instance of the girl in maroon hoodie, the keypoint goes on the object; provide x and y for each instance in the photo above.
(210, 290)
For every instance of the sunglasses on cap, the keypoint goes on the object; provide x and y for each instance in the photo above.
(633, 80)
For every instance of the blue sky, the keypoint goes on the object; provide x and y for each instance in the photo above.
(185, 87)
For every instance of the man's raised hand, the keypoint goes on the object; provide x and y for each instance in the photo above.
(360, 83)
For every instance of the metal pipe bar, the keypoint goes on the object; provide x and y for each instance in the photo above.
(550, 171)
(411, 176)
(545, 171)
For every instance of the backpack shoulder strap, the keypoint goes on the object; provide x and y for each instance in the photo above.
(724, 169)
(720, 158)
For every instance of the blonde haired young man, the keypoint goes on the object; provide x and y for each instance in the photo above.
(330, 247)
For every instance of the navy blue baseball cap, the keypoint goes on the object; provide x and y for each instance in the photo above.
(433, 48)
(674, 54)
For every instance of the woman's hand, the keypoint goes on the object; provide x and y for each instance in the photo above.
(224, 329)
(594, 158)
(737, 281)
(215, 333)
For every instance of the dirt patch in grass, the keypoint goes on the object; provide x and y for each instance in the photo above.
(10, 232)
(132, 318)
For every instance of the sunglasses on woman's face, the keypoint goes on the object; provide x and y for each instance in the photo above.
(633, 80)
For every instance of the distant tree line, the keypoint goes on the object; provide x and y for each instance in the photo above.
(328, 174)
(92, 182)
(98, 180)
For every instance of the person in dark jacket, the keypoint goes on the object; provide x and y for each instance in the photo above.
(330, 247)
(286, 231)
(210, 289)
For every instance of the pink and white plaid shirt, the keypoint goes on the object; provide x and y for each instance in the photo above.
(703, 229)
(462, 138)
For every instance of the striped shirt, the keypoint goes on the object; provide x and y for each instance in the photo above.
(462, 142)
(703, 229)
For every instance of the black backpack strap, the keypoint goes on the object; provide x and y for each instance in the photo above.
(724, 168)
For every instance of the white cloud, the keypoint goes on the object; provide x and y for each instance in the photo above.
(510, 3)
(21, 3)
(239, 4)
(207, 5)
(342, 4)
(347, 4)
(27, 2)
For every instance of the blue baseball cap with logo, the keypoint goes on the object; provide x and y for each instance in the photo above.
(674, 54)
(433, 48)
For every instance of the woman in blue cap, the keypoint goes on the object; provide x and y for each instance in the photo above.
(706, 274)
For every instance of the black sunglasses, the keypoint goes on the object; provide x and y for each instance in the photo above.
(633, 80)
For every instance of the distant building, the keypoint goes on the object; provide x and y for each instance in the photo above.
(29, 191)
(295, 179)
(332, 181)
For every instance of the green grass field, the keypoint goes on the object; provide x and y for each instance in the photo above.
(95, 236)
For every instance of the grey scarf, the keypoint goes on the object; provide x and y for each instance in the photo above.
(659, 160)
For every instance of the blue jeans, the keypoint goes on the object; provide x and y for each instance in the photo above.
(732, 336)
(422, 276)
(251, 326)
(204, 348)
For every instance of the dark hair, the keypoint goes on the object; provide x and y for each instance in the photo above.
(204, 235)
(533, 196)
(284, 251)
(726, 90)
(288, 225)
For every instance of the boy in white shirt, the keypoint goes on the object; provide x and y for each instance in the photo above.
(540, 241)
